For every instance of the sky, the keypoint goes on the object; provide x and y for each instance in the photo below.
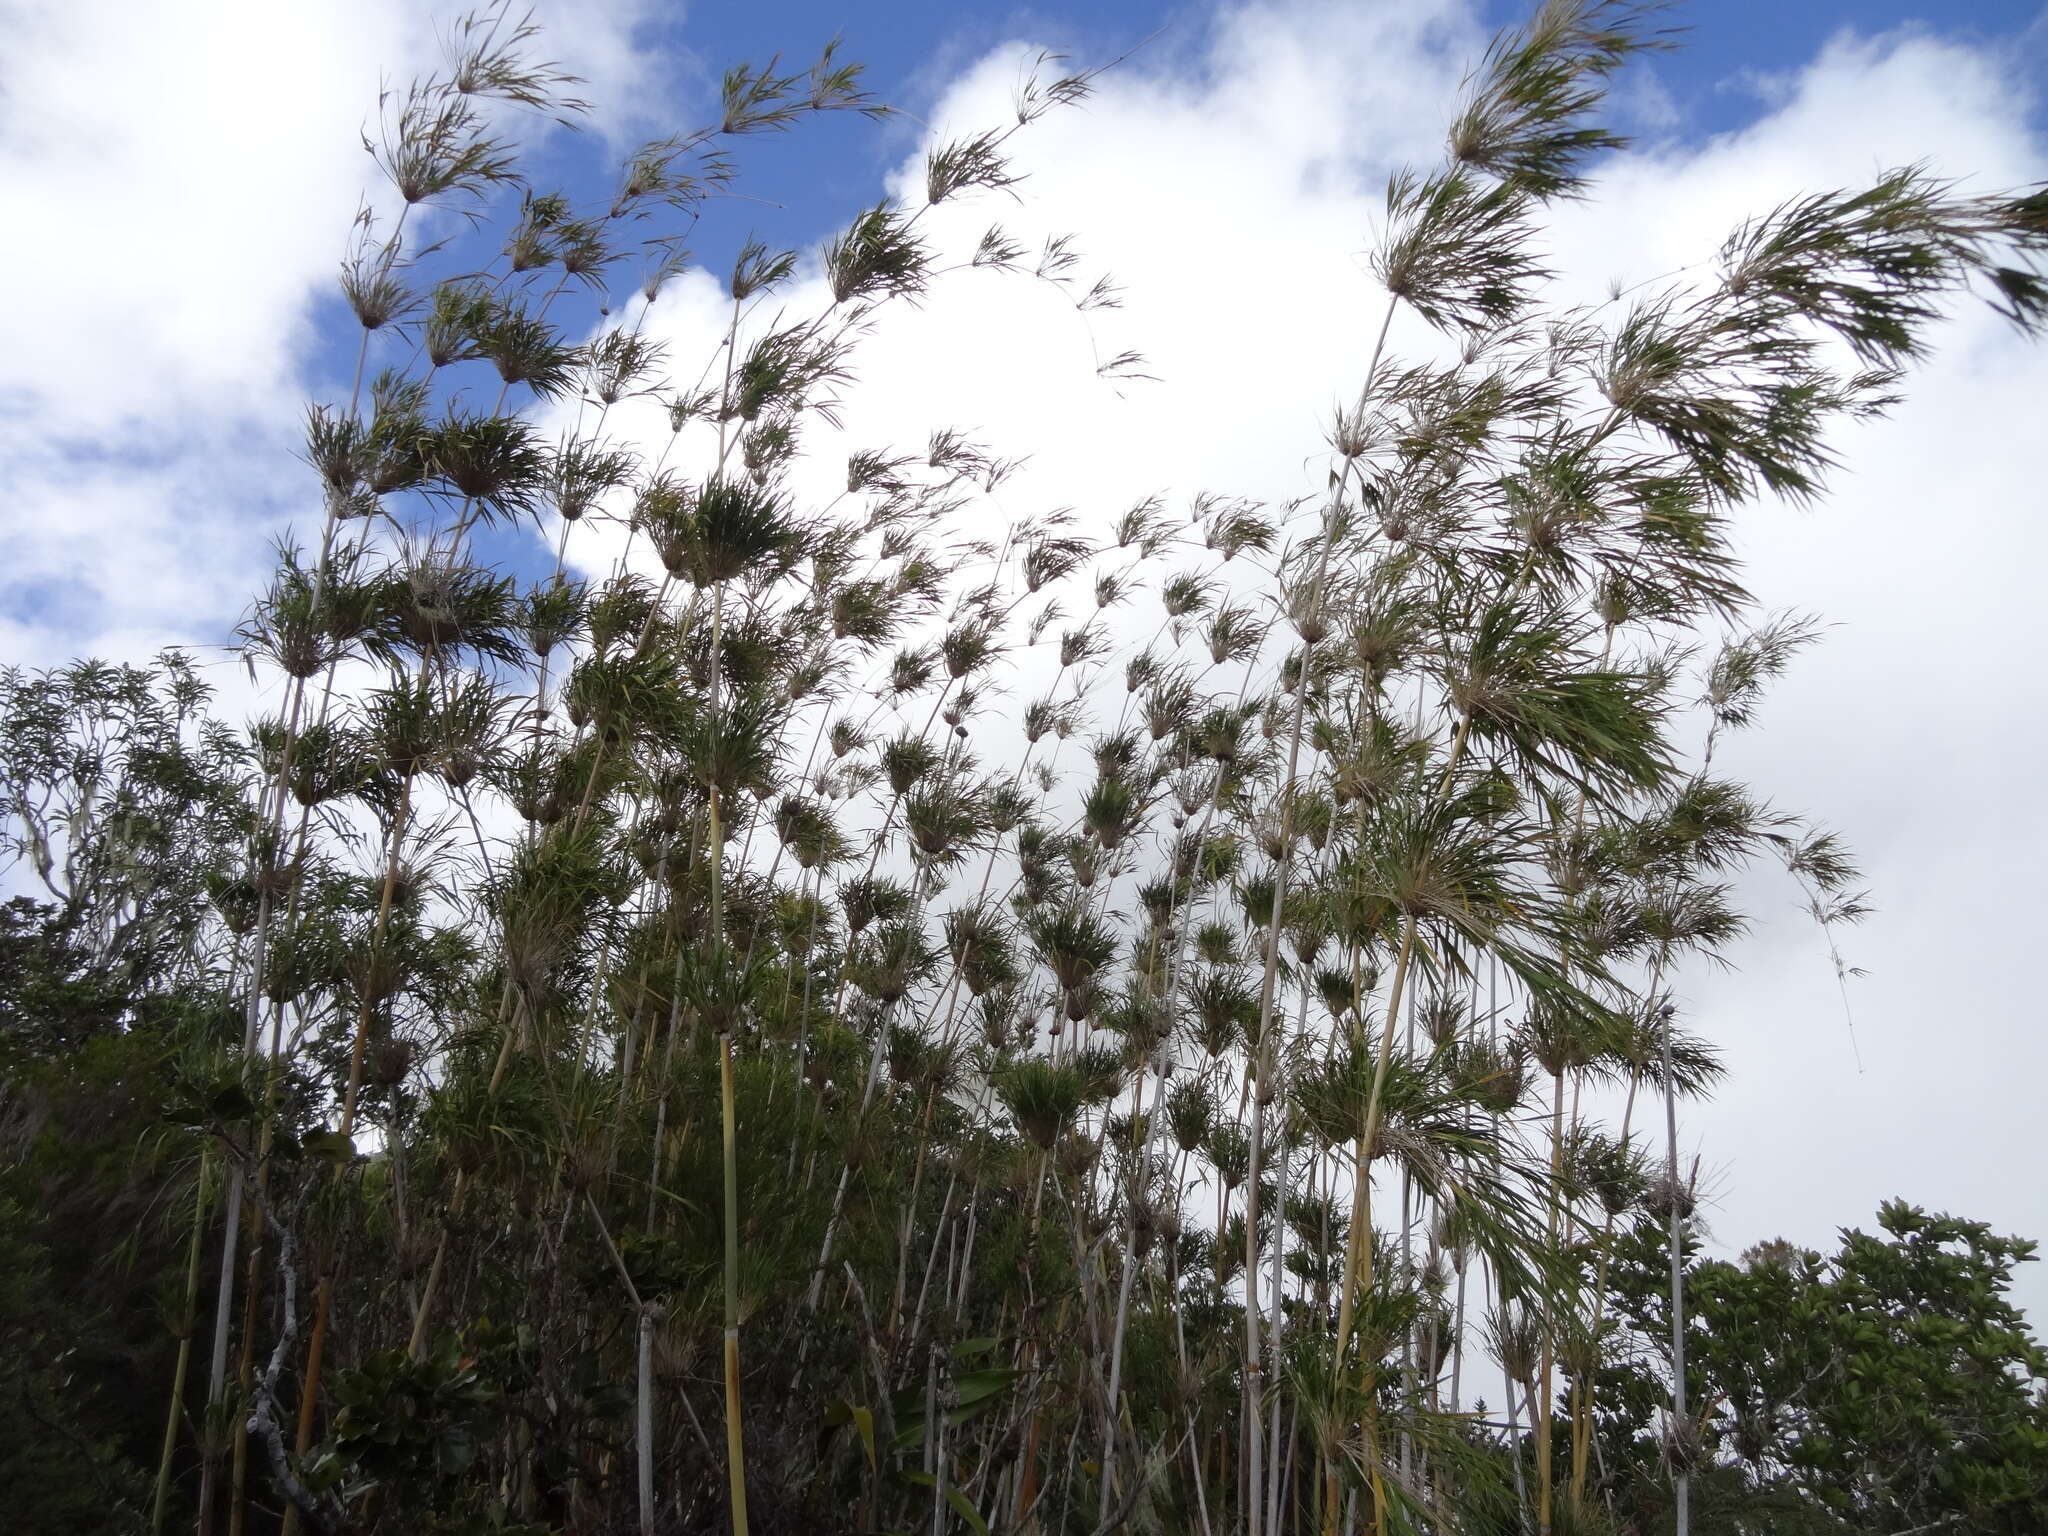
(177, 180)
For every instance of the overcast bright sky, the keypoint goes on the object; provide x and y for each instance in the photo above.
(176, 181)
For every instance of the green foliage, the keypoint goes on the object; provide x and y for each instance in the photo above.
(1891, 1385)
(813, 1030)
(71, 1452)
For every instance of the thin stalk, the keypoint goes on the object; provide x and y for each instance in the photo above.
(1683, 1479)
(1539, 1403)
(735, 1447)
(186, 1321)
(323, 1302)
(1357, 1257)
(643, 1418)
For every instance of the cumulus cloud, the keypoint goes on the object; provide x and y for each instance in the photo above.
(1230, 179)
(1913, 728)
(1232, 187)
(177, 182)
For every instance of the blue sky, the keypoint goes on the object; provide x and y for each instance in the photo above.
(1716, 79)
(910, 47)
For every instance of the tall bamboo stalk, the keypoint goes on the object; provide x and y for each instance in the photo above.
(1680, 1424)
(188, 1315)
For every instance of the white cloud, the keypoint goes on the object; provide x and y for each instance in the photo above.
(177, 182)
(1234, 192)
(186, 173)
(1914, 728)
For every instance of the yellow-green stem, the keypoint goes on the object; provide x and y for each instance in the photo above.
(1539, 1408)
(735, 1449)
(1357, 1263)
